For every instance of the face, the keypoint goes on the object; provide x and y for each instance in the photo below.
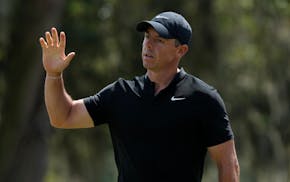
(159, 53)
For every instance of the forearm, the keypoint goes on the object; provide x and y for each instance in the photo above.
(58, 102)
(229, 172)
(225, 157)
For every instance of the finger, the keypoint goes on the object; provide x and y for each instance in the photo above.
(54, 36)
(48, 38)
(69, 57)
(42, 42)
(62, 40)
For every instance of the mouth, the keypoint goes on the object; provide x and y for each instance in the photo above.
(148, 56)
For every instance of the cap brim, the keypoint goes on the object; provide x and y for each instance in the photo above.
(158, 27)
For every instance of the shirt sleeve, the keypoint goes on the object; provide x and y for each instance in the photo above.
(98, 105)
(216, 124)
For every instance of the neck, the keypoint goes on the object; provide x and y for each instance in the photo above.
(161, 79)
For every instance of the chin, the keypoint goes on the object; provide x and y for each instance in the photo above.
(147, 65)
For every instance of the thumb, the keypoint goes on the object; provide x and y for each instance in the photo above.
(69, 57)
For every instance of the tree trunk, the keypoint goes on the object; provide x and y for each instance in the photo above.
(205, 40)
(24, 124)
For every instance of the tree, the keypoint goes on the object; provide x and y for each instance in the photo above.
(24, 125)
(240, 47)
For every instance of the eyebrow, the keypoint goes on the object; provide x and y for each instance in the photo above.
(158, 36)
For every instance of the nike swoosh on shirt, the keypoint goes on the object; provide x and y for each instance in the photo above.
(173, 98)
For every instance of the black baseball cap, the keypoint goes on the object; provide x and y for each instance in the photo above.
(169, 25)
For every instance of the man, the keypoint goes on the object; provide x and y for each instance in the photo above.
(162, 123)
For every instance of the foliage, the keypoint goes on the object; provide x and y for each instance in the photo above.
(241, 47)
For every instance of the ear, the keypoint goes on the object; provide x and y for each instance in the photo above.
(182, 50)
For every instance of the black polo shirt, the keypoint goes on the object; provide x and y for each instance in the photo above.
(164, 137)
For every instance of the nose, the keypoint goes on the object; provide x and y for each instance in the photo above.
(147, 43)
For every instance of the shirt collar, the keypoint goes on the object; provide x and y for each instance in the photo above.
(177, 78)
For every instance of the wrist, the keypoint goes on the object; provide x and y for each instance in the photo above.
(54, 76)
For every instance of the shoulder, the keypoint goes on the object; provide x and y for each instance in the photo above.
(202, 91)
(115, 89)
(135, 80)
(196, 85)
(132, 84)
(123, 86)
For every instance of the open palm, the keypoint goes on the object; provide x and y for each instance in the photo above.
(53, 52)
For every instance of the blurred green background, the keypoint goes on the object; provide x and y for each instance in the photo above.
(241, 47)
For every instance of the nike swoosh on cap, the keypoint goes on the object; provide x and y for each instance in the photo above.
(160, 16)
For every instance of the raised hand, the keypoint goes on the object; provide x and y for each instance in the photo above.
(53, 52)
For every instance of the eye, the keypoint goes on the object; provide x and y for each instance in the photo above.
(159, 40)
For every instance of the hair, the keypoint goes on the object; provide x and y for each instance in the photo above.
(177, 43)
